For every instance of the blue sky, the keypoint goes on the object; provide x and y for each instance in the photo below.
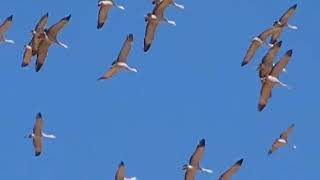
(189, 86)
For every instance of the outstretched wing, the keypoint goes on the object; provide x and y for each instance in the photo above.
(284, 135)
(56, 28)
(6, 24)
(232, 170)
(265, 94)
(286, 16)
(125, 50)
(281, 64)
(120, 172)
(41, 25)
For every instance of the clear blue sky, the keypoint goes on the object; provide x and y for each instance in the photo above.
(189, 86)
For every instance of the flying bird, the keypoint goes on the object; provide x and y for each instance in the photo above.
(273, 79)
(266, 65)
(37, 33)
(282, 140)
(3, 29)
(38, 134)
(232, 170)
(50, 37)
(152, 24)
(283, 22)
(165, 3)
(194, 162)
(120, 173)
(121, 62)
(257, 42)
(105, 6)
(31, 48)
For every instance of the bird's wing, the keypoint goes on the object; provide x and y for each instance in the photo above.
(281, 64)
(149, 34)
(42, 54)
(190, 175)
(275, 146)
(35, 42)
(267, 61)
(5, 25)
(284, 135)
(37, 129)
(276, 35)
(55, 29)
(113, 70)
(227, 174)
(37, 143)
(27, 55)
(196, 156)
(285, 17)
(103, 15)
(251, 51)
(265, 94)
(120, 172)
(41, 25)
(125, 50)
(268, 32)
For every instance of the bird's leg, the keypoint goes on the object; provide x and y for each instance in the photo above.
(130, 178)
(119, 6)
(164, 19)
(292, 27)
(206, 170)
(180, 6)
(49, 136)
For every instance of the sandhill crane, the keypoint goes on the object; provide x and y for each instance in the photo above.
(121, 62)
(38, 134)
(50, 37)
(3, 29)
(272, 79)
(120, 173)
(257, 43)
(194, 162)
(31, 48)
(232, 170)
(283, 22)
(266, 65)
(105, 6)
(282, 140)
(152, 24)
(167, 3)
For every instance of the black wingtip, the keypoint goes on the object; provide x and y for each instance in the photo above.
(278, 44)
(243, 63)
(100, 25)
(24, 64)
(294, 6)
(38, 67)
(67, 18)
(261, 107)
(37, 153)
(121, 163)
(130, 37)
(146, 47)
(101, 78)
(202, 142)
(47, 14)
(240, 162)
(269, 152)
(10, 18)
(289, 52)
(39, 115)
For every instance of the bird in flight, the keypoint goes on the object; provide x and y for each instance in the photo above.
(121, 62)
(194, 162)
(38, 134)
(231, 171)
(105, 6)
(282, 140)
(3, 29)
(120, 173)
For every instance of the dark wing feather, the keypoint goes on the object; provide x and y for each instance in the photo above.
(286, 133)
(251, 52)
(103, 15)
(56, 28)
(125, 50)
(232, 170)
(41, 25)
(265, 94)
(37, 143)
(6, 24)
(285, 17)
(120, 172)
(196, 156)
(149, 34)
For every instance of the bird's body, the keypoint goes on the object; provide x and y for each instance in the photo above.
(266, 65)
(37, 135)
(194, 162)
(282, 140)
(272, 79)
(256, 43)
(121, 62)
(4, 28)
(50, 37)
(105, 6)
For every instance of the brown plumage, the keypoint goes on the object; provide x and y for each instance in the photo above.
(267, 86)
(232, 170)
(37, 134)
(282, 140)
(266, 65)
(121, 61)
(194, 161)
(152, 24)
(256, 43)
